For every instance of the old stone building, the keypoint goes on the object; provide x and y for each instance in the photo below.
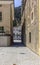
(6, 15)
(31, 13)
(6, 19)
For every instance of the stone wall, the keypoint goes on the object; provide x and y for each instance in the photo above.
(5, 40)
(32, 25)
(7, 16)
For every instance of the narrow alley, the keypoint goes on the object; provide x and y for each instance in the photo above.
(19, 32)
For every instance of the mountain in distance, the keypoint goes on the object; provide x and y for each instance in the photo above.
(18, 13)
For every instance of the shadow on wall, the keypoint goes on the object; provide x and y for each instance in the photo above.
(23, 34)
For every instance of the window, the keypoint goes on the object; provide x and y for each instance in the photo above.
(30, 37)
(0, 16)
(1, 29)
(0, 5)
(32, 16)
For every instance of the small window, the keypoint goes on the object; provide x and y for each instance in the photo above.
(32, 16)
(1, 29)
(30, 37)
(0, 5)
(0, 16)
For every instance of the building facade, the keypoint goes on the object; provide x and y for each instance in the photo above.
(6, 22)
(6, 15)
(32, 24)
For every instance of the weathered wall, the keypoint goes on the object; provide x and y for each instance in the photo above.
(4, 40)
(39, 27)
(7, 17)
(33, 27)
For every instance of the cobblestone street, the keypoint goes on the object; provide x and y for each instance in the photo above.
(18, 56)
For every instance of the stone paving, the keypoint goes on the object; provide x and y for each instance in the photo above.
(18, 56)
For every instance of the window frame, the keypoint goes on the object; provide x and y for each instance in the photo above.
(0, 5)
(30, 37)
(0, 16)
(1, 29)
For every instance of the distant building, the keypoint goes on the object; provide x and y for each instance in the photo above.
(31, 17)
(17, 34)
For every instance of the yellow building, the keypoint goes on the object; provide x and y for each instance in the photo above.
(32, 24)
(6, 15)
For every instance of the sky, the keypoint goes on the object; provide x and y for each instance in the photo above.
(17, 3)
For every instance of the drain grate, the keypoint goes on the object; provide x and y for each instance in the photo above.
(14, 64)
(22, 53)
